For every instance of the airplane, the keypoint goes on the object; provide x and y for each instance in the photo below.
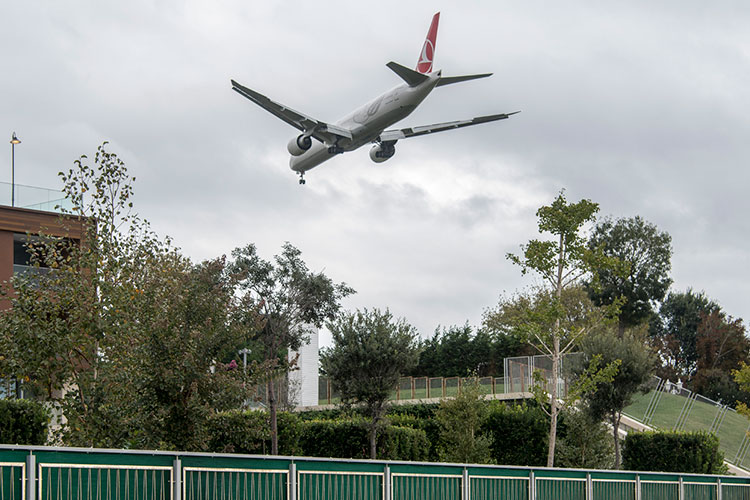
(368, 123)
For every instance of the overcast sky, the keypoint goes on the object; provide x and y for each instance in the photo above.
(643, 107)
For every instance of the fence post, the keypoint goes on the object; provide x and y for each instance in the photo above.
(387, 483)
(177, 479)
(465, 481)
(30, 477)
(682, 490)
(532, 486)
(589, 487)
(292, 495)
(718, 489)
(637, 487)
(413, 389)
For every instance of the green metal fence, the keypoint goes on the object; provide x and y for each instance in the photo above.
(41, 473)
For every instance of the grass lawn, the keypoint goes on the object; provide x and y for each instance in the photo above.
(730, 434)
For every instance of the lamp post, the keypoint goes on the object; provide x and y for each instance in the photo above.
(245, 351)
(13, 141)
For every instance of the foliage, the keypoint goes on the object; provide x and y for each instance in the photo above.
(23, 421)
(674, 333)
(284, 297)
(647, 253)
(121, 331)
(720, 386)
(462, 437)
(370, 351)
(720, 343)
(561, 263)
(248, 432)
(349, 438)
(586, 443)
(607, 399)
(457, 351)
(519, 434)
(523, 314)
(690, 452)
(425, 422)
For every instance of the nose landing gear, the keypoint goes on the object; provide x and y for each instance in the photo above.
(302, 178)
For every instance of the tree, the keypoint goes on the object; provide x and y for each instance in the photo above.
(607, 399)
(286, 298)
(120, 331)
(561, 263)
(461, 419)
(675, 332)
(647, 252)
(458, 350)
(166, 366)
(585, 443)
(370, 352)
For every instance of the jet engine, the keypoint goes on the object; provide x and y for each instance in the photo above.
(298, 145)
(381, 152)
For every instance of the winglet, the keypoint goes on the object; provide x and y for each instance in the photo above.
(424, 63)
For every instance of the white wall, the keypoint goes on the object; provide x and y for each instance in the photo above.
(303, 382)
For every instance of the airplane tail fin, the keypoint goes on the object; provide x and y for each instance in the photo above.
(424, 64)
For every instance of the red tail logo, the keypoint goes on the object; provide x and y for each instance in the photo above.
(424, 65)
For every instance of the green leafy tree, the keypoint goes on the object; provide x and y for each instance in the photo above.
(286, 298)
(458, 350)
(462, 437)
(562, 262)
(647, 253)
(370, 351)
(586, 443)
(119, 330)
(674, 333)
(607, 399)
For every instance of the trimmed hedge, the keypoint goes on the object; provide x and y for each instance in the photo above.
(23, 421)
(519, 434)
(249, 432)
(691, 452)
(350, 439)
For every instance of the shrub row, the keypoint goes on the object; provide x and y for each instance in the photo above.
(345, 437)
(23, 422)
(696, 452)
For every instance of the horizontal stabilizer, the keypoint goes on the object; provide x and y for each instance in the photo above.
(411, 77)
(447, 80)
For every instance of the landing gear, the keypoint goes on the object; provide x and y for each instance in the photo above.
(335, 150)
(302, 178)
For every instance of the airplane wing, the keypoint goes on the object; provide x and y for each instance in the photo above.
(405, 133)
(322, 131)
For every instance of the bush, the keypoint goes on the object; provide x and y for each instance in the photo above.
(23, 421)
(585, 443)
(691, 452)
(249, 432)
(350, 439)
(519, 434)
(429, 425)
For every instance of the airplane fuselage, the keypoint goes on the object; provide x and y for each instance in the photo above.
(368, 122)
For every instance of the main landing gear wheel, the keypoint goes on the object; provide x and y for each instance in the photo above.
(302, 178)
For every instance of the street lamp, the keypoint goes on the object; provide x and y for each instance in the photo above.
(13, 141)
(245, 351)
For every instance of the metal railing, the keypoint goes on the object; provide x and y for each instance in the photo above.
(37, 198)
(43, 473)
(418, 388)
(670, 406)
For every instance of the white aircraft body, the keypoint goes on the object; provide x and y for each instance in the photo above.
(368, 123)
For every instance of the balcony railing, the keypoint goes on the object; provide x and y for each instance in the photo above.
(36, 198)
